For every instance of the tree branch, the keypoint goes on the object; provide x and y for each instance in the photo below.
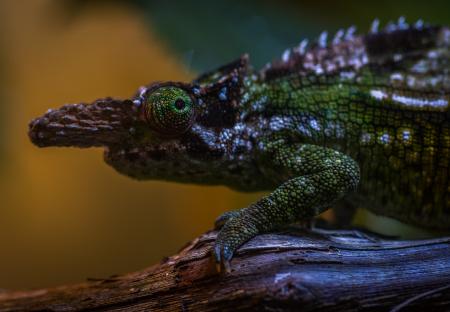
(290, 271)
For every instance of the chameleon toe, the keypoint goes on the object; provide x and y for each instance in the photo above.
(223, 218)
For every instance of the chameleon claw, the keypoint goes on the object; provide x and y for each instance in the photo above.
(223, 267)
(227, 254)
(223, 255)
(217, 253)
(226, 266)
(217, 258)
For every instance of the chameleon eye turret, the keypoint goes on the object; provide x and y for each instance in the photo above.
(169, 110)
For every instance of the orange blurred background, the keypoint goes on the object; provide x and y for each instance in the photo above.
(64, 214)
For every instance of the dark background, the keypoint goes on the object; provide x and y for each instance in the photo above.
(64, 214)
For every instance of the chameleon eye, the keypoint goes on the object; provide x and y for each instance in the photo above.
(169, 110)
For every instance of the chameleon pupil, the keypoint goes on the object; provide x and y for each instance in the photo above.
(179, 104)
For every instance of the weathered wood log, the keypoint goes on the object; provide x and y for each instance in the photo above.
(294, 270)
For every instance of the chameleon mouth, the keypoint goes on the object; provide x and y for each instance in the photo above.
(103, 123)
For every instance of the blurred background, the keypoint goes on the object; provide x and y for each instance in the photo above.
(64, 214)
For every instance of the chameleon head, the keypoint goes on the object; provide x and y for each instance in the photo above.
(164, 132)
(184, 132)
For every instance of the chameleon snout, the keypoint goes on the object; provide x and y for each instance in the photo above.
(103, 123)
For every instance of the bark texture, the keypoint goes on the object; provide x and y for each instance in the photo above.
(295, 270)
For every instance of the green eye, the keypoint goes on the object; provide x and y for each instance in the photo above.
(169, 110)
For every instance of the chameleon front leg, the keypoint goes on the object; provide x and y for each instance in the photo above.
(315, 177)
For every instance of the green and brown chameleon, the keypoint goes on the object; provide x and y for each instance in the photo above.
(365, 118)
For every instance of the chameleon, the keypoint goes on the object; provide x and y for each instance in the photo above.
(357, 120)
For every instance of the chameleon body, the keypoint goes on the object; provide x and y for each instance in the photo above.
(365, 118)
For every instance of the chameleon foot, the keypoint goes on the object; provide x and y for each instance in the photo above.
(237, 227)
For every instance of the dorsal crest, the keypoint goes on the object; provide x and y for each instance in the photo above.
(395, 43)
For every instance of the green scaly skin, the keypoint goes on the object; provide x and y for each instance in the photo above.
(364, 113)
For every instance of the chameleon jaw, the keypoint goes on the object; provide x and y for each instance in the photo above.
(103, 123)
